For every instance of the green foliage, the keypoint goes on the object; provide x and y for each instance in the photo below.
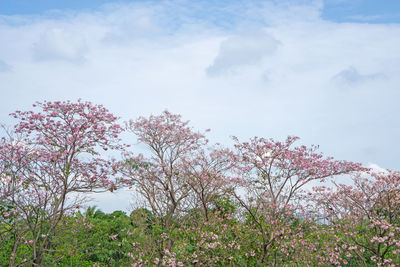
(95, 238)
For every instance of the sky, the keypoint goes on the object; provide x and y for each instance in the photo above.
(326, 71)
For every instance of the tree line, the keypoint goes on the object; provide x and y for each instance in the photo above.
(261, 202)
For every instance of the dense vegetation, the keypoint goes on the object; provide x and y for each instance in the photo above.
(259, 203)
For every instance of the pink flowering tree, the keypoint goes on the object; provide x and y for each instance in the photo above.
(13, 157)
(57, 154)
(271, 177)
(161, 178)
(365, 217)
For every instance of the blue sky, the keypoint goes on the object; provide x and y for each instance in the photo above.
(372, 11)
(19, 7)
(246, 68)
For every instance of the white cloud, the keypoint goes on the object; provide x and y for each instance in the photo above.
(4, 67)
(289, 12)
(375, 168)
(131, 22)
(242, 50)
(351, 77)
(59, 44)
(365, 18)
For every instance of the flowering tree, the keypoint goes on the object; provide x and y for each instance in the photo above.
(366, 217)
(161, 178)
(272, 174)
(11, 163)
(57, 154)
(207, 205)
